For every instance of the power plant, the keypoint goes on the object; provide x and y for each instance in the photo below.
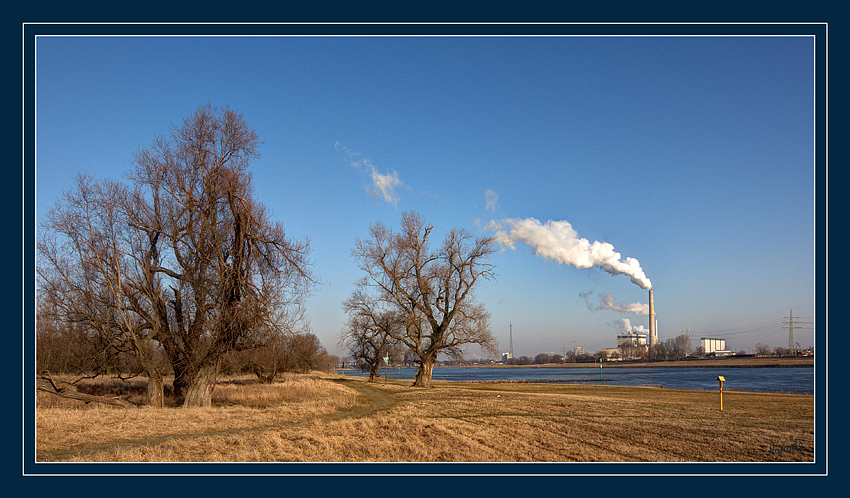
(653, 333)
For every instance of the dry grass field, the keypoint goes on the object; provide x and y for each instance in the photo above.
(331, 418)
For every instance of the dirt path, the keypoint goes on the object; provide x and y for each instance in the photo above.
(372, 399)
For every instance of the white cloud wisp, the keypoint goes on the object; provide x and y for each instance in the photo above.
(383, 185)
(490, 199)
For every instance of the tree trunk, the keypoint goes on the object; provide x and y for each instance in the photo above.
(180, 385)
(261, 373)
(423, 376)
(184, 372)
(156, 390)
(199, 393)
(373, 372)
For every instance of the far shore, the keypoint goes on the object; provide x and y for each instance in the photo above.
(729, 362)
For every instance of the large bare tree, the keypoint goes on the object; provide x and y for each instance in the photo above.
(235, 277)
(429, 291)
(185, 256)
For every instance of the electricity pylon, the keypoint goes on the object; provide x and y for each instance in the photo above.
(792, 344)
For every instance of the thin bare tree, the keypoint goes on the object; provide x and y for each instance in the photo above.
(429, 291)
(95, 273)
(369, 333)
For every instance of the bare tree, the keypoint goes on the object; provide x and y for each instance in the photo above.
(290, 352)
(369, 333)
(541, 359)
(265, 360)
(63, 347)
(303, 352)
(96, 274)
(679, 347)
(430, 291)
(185, 258)
(659, 351)
(612, 355)
(235, 277)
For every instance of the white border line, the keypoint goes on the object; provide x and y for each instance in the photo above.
(540, 24)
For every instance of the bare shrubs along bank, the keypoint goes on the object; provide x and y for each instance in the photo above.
(332, 418)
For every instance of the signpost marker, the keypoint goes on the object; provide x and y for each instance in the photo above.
(721, 379)
(386, 362)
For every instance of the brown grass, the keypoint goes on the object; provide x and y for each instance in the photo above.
(329, 418)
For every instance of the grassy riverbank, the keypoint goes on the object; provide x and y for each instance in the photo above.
(331, 418)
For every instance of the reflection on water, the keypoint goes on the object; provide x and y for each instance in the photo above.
(797, 380)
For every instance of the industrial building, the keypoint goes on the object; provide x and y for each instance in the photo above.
(631, 339)
(635, 339)
(714, 347)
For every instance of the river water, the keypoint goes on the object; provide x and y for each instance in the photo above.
(797, 380)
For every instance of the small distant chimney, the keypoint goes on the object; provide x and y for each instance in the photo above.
(653, 334)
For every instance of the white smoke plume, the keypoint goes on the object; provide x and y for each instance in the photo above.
(558, 241)
(624, 325)
(608, 303)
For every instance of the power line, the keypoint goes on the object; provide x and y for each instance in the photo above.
(764, 329)
(749, 329)
(553, 340)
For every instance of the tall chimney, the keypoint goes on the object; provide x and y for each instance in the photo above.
(653, 337)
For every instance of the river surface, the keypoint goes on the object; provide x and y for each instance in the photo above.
(797, 380)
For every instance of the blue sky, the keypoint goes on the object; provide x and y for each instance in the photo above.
(692, 155)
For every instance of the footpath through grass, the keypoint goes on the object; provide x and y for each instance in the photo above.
(330, 418)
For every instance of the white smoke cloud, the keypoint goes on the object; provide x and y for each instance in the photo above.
(558, 241)
(608, 303)
(491, 198)
(624, 325)
(383, 185)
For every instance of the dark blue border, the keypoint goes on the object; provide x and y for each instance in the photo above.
(494, 473)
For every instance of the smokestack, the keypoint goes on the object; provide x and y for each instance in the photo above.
(653, 337)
